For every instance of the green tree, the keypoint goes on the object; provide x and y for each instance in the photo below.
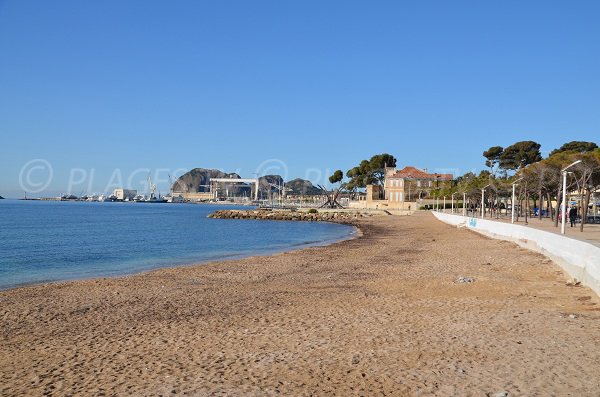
(378, 164)
(492, 156)
(519, 155)
(370, 172)
(576, 146)
(337, 176)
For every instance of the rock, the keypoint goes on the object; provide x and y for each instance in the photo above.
(462, 279)
(572, 316)
(340, 217)
(355, 359)
(498, 394)
(573, 282)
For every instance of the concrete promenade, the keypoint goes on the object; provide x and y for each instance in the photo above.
(590, 234)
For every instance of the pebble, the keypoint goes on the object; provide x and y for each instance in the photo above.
(463, 279)
(573, 282)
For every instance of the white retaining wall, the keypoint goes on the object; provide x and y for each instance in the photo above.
(581, 260)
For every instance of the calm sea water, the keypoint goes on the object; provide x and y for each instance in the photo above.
(51, 241)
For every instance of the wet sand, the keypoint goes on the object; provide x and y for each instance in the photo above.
(377, 315)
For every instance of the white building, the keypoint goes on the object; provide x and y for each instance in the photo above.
(122, 194)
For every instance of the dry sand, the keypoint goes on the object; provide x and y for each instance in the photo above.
(378, 315)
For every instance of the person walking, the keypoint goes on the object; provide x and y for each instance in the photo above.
(573, 215)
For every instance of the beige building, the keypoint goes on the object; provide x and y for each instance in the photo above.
(412, 185)
(196, 196)
(403, 189)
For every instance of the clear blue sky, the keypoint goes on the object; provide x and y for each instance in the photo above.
(319, 85)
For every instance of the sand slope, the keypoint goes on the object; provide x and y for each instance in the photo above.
(379, 315)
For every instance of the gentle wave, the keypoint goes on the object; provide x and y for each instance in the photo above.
(42, 242)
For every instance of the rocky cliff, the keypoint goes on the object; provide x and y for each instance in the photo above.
(198, 180)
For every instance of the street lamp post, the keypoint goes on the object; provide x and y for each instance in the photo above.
(453, 202)
(483, 201)
(444, 209)
(464, 204)
(512, 203)
(564, 196)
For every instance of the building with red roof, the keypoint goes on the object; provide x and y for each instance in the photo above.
(410, 185)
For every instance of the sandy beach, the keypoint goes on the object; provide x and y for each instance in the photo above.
(378, 315)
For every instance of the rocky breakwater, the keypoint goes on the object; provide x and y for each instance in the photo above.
(338, 217)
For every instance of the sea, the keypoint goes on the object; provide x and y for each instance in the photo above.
(46, 241)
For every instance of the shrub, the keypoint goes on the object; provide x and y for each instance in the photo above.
(312, 211)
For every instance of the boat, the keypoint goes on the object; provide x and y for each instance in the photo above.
(171, 197)
(175, 199)
(67, 197)
(152, 198)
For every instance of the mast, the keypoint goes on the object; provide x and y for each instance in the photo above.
(151, 186)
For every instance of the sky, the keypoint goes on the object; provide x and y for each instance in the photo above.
(95, 95)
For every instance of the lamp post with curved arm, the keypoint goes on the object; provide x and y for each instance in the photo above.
(483, 200)
(564, 195)
(512, 203)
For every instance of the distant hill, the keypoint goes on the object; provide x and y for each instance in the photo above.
(198, 180)
(300, 186)
(265, 184)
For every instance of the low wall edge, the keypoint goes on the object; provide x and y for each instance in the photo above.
(579, 259)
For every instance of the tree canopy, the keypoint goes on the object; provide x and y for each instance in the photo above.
(576, 146)
(493, 157)
(337, 176)
(513, 157)
(519, 155)
(370, 171)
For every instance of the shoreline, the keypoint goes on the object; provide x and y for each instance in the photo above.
(379, 314)
(355, 233)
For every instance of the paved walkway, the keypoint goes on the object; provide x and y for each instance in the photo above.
(591, 232)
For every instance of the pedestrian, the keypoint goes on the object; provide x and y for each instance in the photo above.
(573, 215)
